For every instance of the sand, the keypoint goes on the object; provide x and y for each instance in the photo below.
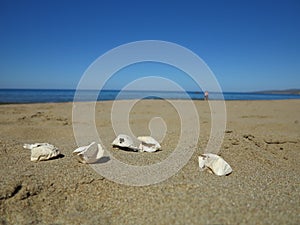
(261, 143)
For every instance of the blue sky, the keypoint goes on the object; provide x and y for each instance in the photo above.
(249, 45)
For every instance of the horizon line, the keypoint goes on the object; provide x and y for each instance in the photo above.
(199, 91)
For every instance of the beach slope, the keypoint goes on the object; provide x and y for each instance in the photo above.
(261, 143)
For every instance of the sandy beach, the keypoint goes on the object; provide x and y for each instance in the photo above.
(261, 143)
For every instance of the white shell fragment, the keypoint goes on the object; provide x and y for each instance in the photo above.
(149, 144)
(215, 163)
(87, 154)
(42, 151)
(35, 145)
(124, 141)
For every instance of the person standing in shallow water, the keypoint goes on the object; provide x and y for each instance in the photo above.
(206, 95)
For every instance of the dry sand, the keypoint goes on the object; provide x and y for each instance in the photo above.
(262, 143)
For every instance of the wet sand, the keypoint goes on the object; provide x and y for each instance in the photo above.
(261, 143)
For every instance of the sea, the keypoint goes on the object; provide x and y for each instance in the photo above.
(47, 96)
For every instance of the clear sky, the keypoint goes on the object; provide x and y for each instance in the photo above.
(249, 45)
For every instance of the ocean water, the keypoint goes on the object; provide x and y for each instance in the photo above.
(42, 95)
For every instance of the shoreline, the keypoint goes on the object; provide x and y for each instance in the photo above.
(167, 99)
(53, 96)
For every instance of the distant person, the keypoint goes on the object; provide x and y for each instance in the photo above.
(206, 95)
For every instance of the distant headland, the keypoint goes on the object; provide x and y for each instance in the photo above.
(283, 92)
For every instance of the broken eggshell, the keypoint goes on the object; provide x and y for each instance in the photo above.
(215, 163)
(42, 151)
(149, 144)
(87, 154)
